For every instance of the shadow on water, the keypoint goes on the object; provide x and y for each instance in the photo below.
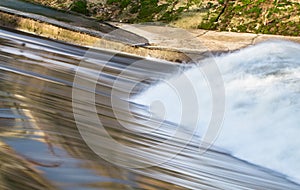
(41, 145)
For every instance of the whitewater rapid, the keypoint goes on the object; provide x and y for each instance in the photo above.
(262, 104)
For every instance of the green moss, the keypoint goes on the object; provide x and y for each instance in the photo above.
(79, 6)
(134, 9)
(246, 1)
(124, 3)
(112, 1)
(205, 25)
(256, 10)
(242, 28)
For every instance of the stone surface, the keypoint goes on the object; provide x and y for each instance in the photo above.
(197, 40)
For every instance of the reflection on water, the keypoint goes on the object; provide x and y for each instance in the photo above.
(42, 148)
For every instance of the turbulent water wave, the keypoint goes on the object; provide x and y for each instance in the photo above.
(37, 121)
(263, 106)
(262, 120)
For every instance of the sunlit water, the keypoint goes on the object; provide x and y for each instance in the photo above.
(262, 87)
(257, 147)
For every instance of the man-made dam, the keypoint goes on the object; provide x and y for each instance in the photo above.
(39, 126)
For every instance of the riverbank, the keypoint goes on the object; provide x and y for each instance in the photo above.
(60, 33)
(256, 16)
(156, 41)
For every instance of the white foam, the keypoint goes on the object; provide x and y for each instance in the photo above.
(262, 86)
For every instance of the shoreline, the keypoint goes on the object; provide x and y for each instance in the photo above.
(162, 42)
(50, 31)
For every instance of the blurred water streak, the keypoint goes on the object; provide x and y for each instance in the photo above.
(37, 124)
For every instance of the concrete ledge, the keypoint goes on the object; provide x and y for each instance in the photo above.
(196, 40)
(44, 29)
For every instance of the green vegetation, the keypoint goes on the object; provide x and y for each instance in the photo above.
(79, 6)
(253, 16)
(137, 11)
(260, 16)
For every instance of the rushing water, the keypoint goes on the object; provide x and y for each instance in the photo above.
(262, 85)
(39, 130)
